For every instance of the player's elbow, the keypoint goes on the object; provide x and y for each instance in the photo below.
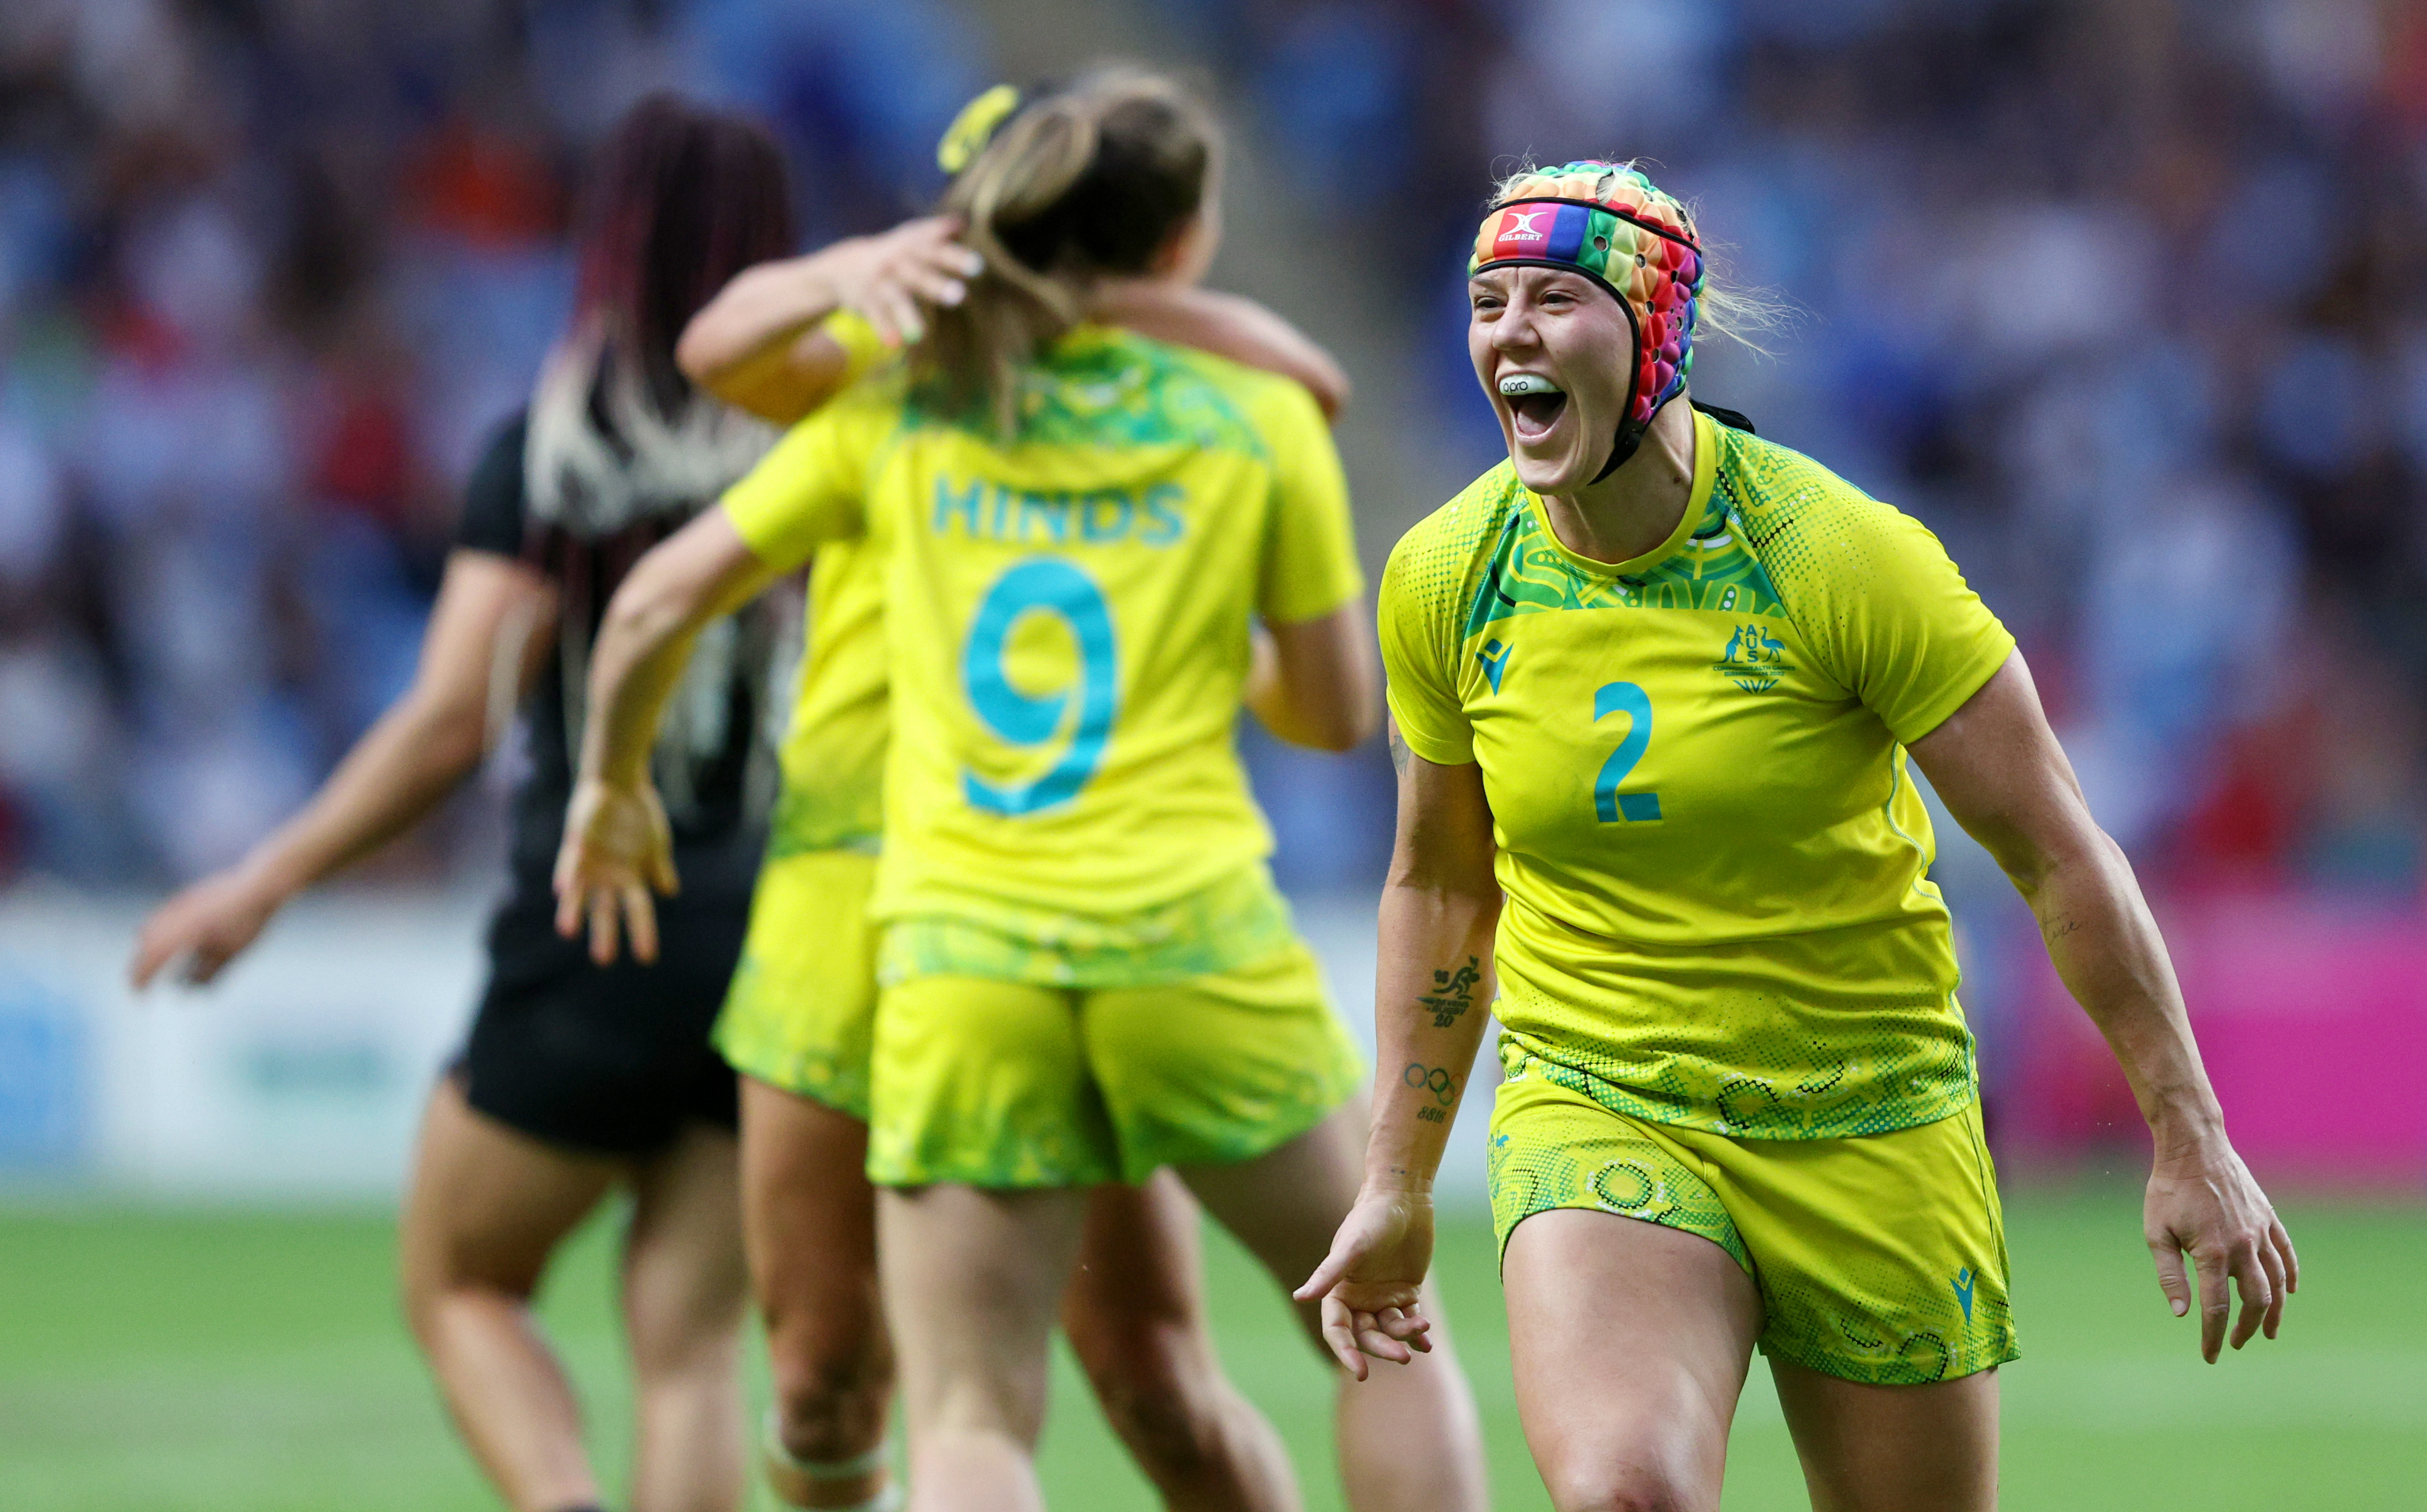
(703, 355)
(652, 608)
(1328, 382)
(1342, 726)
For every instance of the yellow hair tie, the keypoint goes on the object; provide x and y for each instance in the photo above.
(974, 126)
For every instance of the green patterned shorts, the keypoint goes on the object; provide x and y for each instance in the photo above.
(1881, 1258)
(1009, 1084)
(802, 1009)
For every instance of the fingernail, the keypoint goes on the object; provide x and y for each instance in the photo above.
(955, 293)
(2181, 1308)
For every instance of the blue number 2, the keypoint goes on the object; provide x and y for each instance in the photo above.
(1608, 802)
(1051, 586)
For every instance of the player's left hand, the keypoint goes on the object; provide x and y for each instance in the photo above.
(1371, 1284)
(617, 847)
(2203, 1202)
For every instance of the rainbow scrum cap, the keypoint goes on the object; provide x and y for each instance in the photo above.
(1616, 227)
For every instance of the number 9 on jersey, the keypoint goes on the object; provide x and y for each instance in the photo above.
(1080, 711)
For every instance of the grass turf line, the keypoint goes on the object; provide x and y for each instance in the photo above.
(196, 1361)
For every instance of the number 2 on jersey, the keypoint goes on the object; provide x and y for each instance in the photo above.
(1608, 802)
(1045, 585)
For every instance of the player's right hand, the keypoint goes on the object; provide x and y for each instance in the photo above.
(209, 925)
(617, 847)
(1372, 1283)
(885, 278)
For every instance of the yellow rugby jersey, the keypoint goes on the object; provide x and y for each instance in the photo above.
(1712, 854)
(833, 755)
(1066, 616)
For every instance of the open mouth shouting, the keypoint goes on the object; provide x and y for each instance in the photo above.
(1533, 401)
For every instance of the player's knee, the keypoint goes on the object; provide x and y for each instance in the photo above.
(669, 1341)
(1162, 1395)
(437, 1280)
(830, 1402)
(1598, 1485)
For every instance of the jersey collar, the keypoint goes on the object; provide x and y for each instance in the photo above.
(1706, 472)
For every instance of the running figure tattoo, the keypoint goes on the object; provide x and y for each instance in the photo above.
(1451, 996)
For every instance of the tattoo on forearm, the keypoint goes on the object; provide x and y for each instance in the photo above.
(1451, 996)
(1437, 1081)
(2063, 927)
(1400, 755)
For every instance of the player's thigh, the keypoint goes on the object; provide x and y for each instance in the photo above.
(684, 1280)
(1629, 1342)
(1134, 1313)
(1893, 1447)
(972, 1283)
(1285, 1205)
(1223, 1068)
(985, 1084)
(809, 1222)
(1139, 1270)
(1632, 1310)
(487, 1204)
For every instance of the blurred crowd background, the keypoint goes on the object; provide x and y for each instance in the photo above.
(2127, 299)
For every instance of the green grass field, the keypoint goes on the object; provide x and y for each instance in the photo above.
(208, 1361)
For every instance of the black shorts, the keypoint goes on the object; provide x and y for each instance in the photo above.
(614, 1059)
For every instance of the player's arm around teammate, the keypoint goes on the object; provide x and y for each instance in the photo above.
(762, 345)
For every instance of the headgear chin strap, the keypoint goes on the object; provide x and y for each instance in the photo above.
(1613, 225)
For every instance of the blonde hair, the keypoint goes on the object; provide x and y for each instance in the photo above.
(1089, 182)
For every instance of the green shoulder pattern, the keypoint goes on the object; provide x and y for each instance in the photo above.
(1526, 572)
(1110, 388)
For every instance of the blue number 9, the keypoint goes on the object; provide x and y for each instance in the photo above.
(1050, 586)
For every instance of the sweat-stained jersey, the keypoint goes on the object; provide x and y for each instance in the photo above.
(1712, 854)
(1066, 617)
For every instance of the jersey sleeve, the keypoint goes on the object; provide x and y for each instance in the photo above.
(811, 487)
(862, 348)
(493, 508)
(1897, 625)
(1309, 560)
(1420, 652)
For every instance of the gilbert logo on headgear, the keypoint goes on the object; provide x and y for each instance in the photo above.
(1520, 225)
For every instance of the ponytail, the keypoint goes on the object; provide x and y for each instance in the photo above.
(1084, 184)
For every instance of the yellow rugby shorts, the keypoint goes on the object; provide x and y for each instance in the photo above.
(1881, 1258)
(1011, 1084)
(801, 1014)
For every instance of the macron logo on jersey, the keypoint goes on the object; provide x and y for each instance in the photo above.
(1494, 658)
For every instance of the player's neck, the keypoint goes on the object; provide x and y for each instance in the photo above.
(1636, 508)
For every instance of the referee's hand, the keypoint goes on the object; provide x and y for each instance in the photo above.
(617, 847)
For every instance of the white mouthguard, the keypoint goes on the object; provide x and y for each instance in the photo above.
(1517, 385)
